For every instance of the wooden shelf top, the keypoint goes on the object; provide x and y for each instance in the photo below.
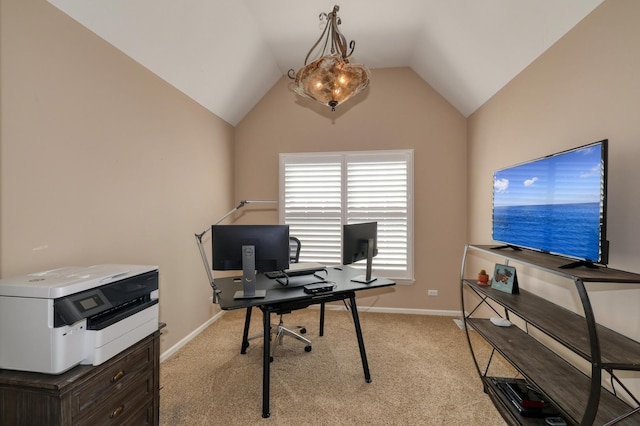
(554, 263)
(569, 328)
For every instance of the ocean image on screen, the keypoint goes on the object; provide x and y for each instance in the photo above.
(554, 204)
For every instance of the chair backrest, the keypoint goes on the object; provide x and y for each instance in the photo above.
(294, 250)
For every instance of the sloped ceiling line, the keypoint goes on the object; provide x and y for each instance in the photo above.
(226, 55)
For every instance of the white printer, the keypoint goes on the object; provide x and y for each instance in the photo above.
(54, 320)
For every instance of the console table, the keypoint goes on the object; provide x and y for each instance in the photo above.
(578, 397)
(123, 390)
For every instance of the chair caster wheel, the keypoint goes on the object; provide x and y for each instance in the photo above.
(270, 359)
(307, 348)
(303, 330)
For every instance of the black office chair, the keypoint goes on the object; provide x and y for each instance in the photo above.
(294, 250)
(281, 330)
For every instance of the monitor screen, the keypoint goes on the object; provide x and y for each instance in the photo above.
(271, 246)
(555, 204)
(359, 242)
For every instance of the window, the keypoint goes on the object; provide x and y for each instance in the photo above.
(321, 191)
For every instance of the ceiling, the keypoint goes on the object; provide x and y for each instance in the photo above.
(226, 54)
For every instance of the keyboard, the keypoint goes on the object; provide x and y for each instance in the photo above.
(297, 269)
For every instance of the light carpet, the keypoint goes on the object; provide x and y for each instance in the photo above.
(421, 368)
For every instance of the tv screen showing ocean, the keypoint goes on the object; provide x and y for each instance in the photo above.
(571, 230)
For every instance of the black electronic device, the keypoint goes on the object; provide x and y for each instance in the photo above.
(250, 248)
(359, 242)
(556, 204)
(524, 398)
(315, 288)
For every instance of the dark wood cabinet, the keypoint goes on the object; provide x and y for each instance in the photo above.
(577, 395)
(122, 391)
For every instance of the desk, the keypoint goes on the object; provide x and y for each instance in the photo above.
(291, 298)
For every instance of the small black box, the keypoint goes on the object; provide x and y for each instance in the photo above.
(318, 288)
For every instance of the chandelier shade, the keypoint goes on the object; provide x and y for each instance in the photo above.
(331, 79)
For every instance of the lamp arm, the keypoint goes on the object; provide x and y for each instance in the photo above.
(203, 254)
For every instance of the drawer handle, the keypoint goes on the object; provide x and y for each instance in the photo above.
(119, 375)
(115, 413)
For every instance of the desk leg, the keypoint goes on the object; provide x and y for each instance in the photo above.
(245, 335)
(322, 319)
(266, 361)
(363, 353)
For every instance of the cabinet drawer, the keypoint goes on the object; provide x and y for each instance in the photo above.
(142, 417)
(122, 407)
(133, 369)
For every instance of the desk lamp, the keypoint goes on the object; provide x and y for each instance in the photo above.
(203, 254)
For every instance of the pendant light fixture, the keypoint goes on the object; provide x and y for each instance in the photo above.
(330, 79)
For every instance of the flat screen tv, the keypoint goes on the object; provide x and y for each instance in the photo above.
(556, 204)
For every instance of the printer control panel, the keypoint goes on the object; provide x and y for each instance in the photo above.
(127, 295)
(73, 308)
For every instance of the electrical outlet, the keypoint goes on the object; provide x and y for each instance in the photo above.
(432, 293)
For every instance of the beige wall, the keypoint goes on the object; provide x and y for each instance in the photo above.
(398, 111)
(585, 88)
(103, 162)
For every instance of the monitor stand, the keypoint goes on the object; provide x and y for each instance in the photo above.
(366, 279)
(249, 276)
(507, 246)
(578, 264)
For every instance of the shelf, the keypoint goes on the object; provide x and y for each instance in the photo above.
(569, 328)
(578, 396)
(552, 375)
(553, 264)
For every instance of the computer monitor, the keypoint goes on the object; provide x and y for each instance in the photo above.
(360, 241)
(250, 248)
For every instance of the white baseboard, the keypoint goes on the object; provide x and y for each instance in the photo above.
(406, 311)
(175, 348)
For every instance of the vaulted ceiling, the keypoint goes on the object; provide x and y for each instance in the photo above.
(226, 54)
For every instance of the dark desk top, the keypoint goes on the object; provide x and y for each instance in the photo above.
(277, 293)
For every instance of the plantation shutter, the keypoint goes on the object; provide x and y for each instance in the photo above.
(377, 190)
(320, 192)
(313, 206)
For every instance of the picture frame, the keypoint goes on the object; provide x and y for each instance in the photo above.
(505, 279)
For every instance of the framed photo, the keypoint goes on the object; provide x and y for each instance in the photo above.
(504, 279)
